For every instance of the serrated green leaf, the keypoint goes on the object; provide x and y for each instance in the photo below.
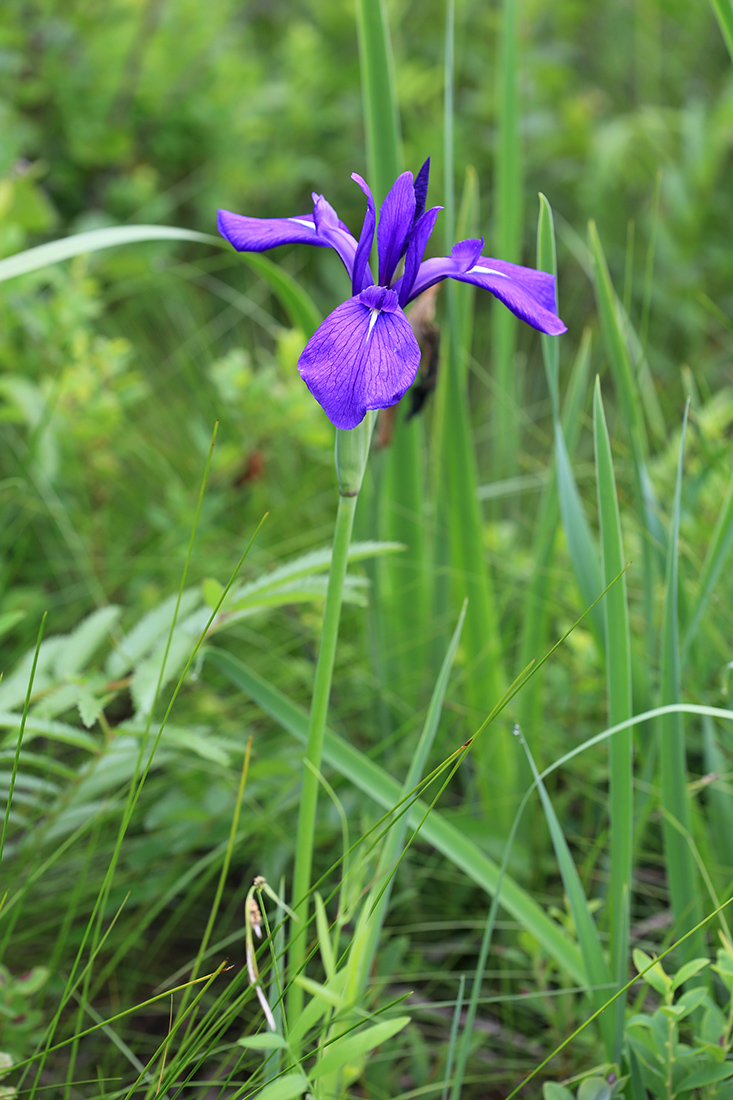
(88, 704)
(54, 731)
(146, 676)
(145, 635)
(354, 1046)
(82, 643)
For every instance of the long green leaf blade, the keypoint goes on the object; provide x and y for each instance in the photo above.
(618, 689)
(681, 871)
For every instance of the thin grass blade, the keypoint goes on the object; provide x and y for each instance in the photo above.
(618, 692)
(599, 977)
(507, 238)
(681, 871)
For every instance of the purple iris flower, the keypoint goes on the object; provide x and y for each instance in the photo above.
(365, 355)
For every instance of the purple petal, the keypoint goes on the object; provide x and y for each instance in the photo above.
(529, 294)
(467, 253)
(330, 227)
(415, 251)
(323, 228)
(362, 276)
(259, 234)
(364, 356)
(396, 218)
(421, 189)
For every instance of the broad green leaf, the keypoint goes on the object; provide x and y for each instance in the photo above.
(284, 1088)
(694, 966)
(706, 1075)
(267, 1040)
(552, 1091)
(692, 999)
(594, 1088)
(355, 1045)
(322, 992)
(654, 975)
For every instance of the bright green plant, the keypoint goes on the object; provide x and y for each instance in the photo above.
(682, 1047)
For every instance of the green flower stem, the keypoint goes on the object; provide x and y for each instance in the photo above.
(352, 449)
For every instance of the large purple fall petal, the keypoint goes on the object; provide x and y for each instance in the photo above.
(396, 217)
(529, 294)
(364, 356)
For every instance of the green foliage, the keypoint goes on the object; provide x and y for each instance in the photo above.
(133, 836)
(682, 1046)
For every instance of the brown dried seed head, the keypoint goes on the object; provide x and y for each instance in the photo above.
(255, 917)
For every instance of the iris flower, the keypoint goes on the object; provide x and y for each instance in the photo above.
(365, 355)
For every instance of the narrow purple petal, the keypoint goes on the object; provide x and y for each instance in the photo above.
(467, 253)
(529, 294)
(415, 251)
(323, 228)
(362, 276)
(396, 218)
(364, 356)
(331, 229)
(421, 189)
(259, 234)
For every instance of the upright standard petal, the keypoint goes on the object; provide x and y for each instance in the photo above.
(364, 356)
(421, 189)
(529, 294)
(415, 251)
(362, 277)
(396, 217)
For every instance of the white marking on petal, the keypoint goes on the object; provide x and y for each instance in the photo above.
(299, 221)
(486, 271)
(372, 321)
